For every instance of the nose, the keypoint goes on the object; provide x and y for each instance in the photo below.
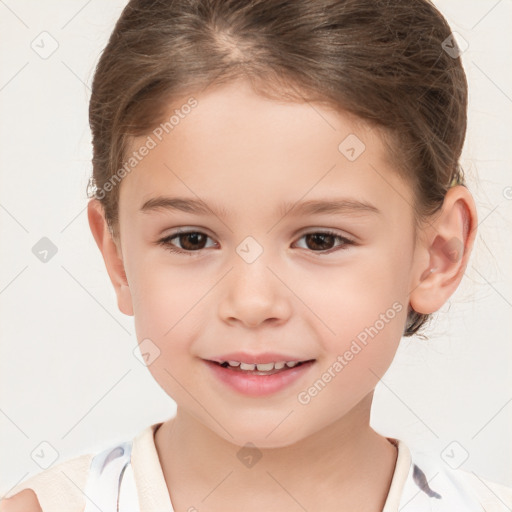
(253, 294)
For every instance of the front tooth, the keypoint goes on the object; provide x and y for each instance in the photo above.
(265, 367)
(234, 363)
(291, 364)
(278, 366)
(245, 366)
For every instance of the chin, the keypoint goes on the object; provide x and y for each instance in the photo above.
(262, 433)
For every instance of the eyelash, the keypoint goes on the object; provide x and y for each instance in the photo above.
(166, 242)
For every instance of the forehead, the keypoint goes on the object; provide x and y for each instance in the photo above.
(246, 151)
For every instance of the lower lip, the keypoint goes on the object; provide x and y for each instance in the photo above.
(258, 385)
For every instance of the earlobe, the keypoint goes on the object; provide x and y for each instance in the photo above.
(112, 256)
(444, 251)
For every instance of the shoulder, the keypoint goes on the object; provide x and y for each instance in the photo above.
(70, 485)
(60, 487)
(431, 480)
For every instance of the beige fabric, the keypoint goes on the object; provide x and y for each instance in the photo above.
(153, 493)
(61, 487)
(403, 463)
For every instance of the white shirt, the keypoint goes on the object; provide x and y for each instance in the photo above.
(128, 477)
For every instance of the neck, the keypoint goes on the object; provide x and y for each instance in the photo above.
(347, 466)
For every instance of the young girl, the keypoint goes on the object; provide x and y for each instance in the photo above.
(278, 200)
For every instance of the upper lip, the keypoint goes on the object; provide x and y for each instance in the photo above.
(264, 357)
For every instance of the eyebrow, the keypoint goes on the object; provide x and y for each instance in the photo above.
(311, 207)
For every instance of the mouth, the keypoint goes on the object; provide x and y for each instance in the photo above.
(263, 369)
(260, 379)
(262, 374)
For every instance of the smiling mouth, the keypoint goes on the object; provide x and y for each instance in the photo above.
(261, 369)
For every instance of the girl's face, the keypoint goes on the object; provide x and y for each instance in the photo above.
(258, 278)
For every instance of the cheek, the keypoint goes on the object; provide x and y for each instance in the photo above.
(343, 301)
(167, 310)
(163, 296)
(170, 307)
(360, 312)
(356, 358)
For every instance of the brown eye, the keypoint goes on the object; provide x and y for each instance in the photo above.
(320, 241)
(190, 242)
(325, 241)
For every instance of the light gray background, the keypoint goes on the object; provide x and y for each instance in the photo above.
(68, 375)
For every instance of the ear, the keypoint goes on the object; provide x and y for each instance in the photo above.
(111, 252)
(443, 251)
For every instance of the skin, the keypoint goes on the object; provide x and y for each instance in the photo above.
(248, 154)
(24, 501)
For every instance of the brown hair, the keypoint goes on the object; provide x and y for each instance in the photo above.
(382, 61)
